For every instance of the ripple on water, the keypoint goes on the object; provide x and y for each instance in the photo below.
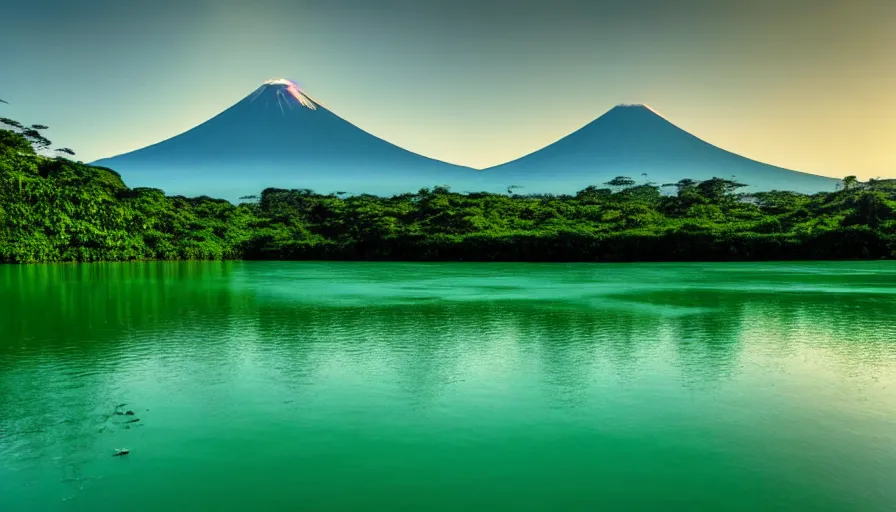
(772, 383)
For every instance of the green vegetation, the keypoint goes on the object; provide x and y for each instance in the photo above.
(55, 209)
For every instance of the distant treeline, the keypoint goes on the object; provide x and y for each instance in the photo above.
(54, 209)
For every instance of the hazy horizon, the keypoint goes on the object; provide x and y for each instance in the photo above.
(804, 86)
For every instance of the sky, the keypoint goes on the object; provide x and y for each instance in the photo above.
(808, 85)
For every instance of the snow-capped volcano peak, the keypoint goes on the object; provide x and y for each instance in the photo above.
(639, 106)
(287, 87)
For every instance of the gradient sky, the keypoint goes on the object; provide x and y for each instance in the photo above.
(804, 84)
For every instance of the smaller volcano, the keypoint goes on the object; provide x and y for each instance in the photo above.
(634, 140)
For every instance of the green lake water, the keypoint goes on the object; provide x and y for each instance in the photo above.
(388, 386)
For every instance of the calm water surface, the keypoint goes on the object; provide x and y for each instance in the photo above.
(349, 386)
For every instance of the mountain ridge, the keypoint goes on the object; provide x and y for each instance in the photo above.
(280, 136)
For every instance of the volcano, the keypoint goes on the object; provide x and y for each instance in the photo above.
(637, 142)
(279, 136)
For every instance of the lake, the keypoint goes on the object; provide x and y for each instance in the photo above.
(393, 386)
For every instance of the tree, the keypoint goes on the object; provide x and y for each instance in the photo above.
(15, 142)
(593, 194)
(682, 185)
(39, 141)
(66, 151)
(31, 133)
(622, 182)
(717, 188)
(870, 208)
(849, 182)
(643, 193)
(10, 122)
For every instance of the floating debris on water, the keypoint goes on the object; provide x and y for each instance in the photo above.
(117, 412)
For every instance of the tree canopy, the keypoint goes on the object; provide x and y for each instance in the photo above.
(55, 209)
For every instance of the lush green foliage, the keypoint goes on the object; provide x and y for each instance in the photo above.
(55, 209)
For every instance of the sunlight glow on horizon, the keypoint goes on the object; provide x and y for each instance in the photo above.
(811, 92)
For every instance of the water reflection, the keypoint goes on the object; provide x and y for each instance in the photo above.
(200, 343)
(84, 320)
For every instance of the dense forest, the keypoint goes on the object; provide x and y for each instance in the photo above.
(55, 209)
